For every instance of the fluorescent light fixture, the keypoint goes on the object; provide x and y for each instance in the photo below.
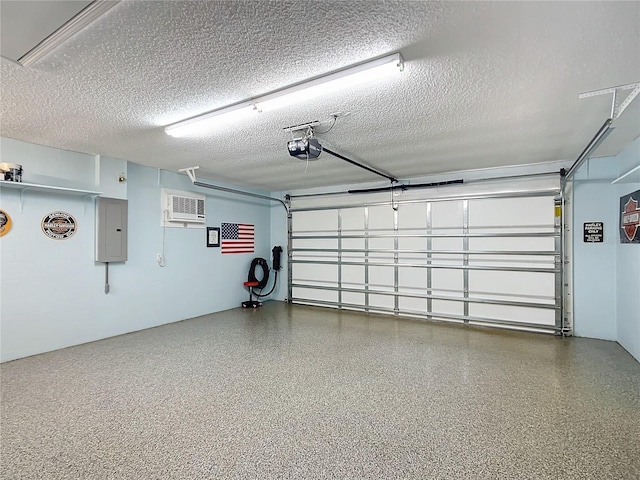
(298, 93)
(81, 20)
(333, 82)
(202, 124)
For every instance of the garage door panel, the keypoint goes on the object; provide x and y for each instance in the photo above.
(353, 298)
(381, 244)
(447, 280)
(381, 276)
(523, 261)
(381, 218)
(445, 307)
(353, 243)
(353, 219)
(512, 212)
(413, 305)
(412, 216)
(447, 244)
(352, 275)
(320, 274)
(315, 294)
(383, 301)
(513, 314)
(513, 244)
(412, 278)
(412, 243)
(314, 221)
(315, 243)
(512, 283)
(447, 215)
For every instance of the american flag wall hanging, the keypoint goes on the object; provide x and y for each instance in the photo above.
(237, 237)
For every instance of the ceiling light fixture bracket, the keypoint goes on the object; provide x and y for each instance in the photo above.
(306, 127)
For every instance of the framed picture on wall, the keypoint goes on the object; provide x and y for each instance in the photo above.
(213, 236)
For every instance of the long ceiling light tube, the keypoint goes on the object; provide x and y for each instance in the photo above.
(313, 87)
(202, 123)
(332, 82)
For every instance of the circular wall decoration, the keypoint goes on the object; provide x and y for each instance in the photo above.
(59, 225)
(5, 223)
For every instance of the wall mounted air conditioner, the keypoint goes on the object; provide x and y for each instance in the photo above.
(182, 208)
(185, 209)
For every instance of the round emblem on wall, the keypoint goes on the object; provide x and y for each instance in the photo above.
(5, 223)
(59, 225)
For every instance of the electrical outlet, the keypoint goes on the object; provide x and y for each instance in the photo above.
(159, 258)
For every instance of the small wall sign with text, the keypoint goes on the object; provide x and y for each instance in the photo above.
(59, 225)
(5, 223)
(594, 232)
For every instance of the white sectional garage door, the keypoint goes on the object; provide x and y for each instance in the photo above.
(483, 255)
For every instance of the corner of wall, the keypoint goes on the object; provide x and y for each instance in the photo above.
(627, 287)
(279, 236)
(628, 260)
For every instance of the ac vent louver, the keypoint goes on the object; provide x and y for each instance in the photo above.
(185, 209)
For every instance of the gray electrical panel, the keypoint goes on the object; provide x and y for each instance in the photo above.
(111, 230)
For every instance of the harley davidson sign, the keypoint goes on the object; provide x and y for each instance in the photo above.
(5, 223)
(59, 225)
(630, 218)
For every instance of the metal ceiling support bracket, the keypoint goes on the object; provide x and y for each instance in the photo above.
(616, 110)
(625, 103)
(191, 173)
(302, 126)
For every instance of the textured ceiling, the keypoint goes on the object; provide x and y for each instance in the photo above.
(485, 85)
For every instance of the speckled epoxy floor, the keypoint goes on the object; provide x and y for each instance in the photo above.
(301, 392)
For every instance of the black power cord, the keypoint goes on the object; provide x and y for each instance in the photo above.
(277, 251)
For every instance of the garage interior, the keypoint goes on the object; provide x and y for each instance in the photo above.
(382, 239)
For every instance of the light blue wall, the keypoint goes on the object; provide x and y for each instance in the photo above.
(594, 266)
(628, 266)
(52, 292)
(606, 276)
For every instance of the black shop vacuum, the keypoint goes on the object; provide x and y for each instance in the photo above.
(257, 283)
